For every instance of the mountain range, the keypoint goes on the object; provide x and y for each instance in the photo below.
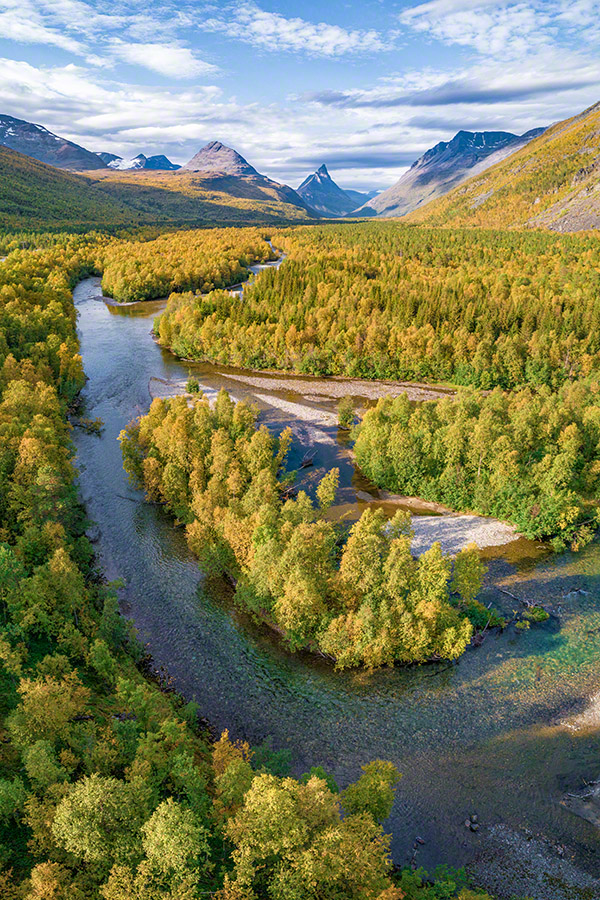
(158, 162)
(321, 193)
(546, 177)
(443, 167)
(552, 182)
(36, 196)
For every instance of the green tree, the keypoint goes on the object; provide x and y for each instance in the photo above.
(100, 819)
(468, 573)
(327, 489)
(373, 793)
(174, 841)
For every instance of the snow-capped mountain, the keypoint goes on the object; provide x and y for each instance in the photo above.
(158, 162)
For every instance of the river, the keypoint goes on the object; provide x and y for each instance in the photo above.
(478, 737)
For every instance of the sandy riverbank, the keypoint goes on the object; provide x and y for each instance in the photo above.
(452, 530)
(334, 387)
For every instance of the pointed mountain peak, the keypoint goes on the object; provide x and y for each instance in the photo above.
(321, 192)
(218, 157)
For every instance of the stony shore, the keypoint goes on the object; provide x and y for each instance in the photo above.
(452, 530)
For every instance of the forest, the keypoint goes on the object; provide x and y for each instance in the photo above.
(109, 788)
(531, 457)
(358, 597)
(384, 300)
(183, 261)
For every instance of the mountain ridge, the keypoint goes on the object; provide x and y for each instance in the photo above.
(322, 193)
(443, 167)
(218, 157)
(553, 181)
(157, 162)
(224, 162)
(35, 195)
(39, 143)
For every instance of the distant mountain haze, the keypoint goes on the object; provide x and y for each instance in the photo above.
(361, 197)
(445, 166)
(39, 143)
(321, 192)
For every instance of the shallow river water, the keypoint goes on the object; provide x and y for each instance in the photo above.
(479, 737)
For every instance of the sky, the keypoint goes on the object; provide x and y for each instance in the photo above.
(365, 87)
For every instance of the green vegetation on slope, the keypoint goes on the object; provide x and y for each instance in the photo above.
(380, 300)
(360, 597)
(35, 196)
(530, 457)
(551, 182)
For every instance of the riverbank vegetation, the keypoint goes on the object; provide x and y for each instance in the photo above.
(182, 261)
(108, 789)
(382, 300)
(531, 457)
(358, 597)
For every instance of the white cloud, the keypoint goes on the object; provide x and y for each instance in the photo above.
(436, 9)
(491, 27)
(25, 27)
(272, 31)
(79, 104)
(171, 60)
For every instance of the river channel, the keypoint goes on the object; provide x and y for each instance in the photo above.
(482, 736)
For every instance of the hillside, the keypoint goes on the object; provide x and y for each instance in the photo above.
(39, 143)
(220, 161)
(38, 196)
(552, 182)
(445, 166)
(211, 197)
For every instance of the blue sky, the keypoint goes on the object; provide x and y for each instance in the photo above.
(365, 87)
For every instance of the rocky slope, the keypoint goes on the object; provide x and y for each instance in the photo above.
(107, 158)
(217, 157)
(552, 182)
(227, 166)
(321, 192)
(445, 166)
(39, 143)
